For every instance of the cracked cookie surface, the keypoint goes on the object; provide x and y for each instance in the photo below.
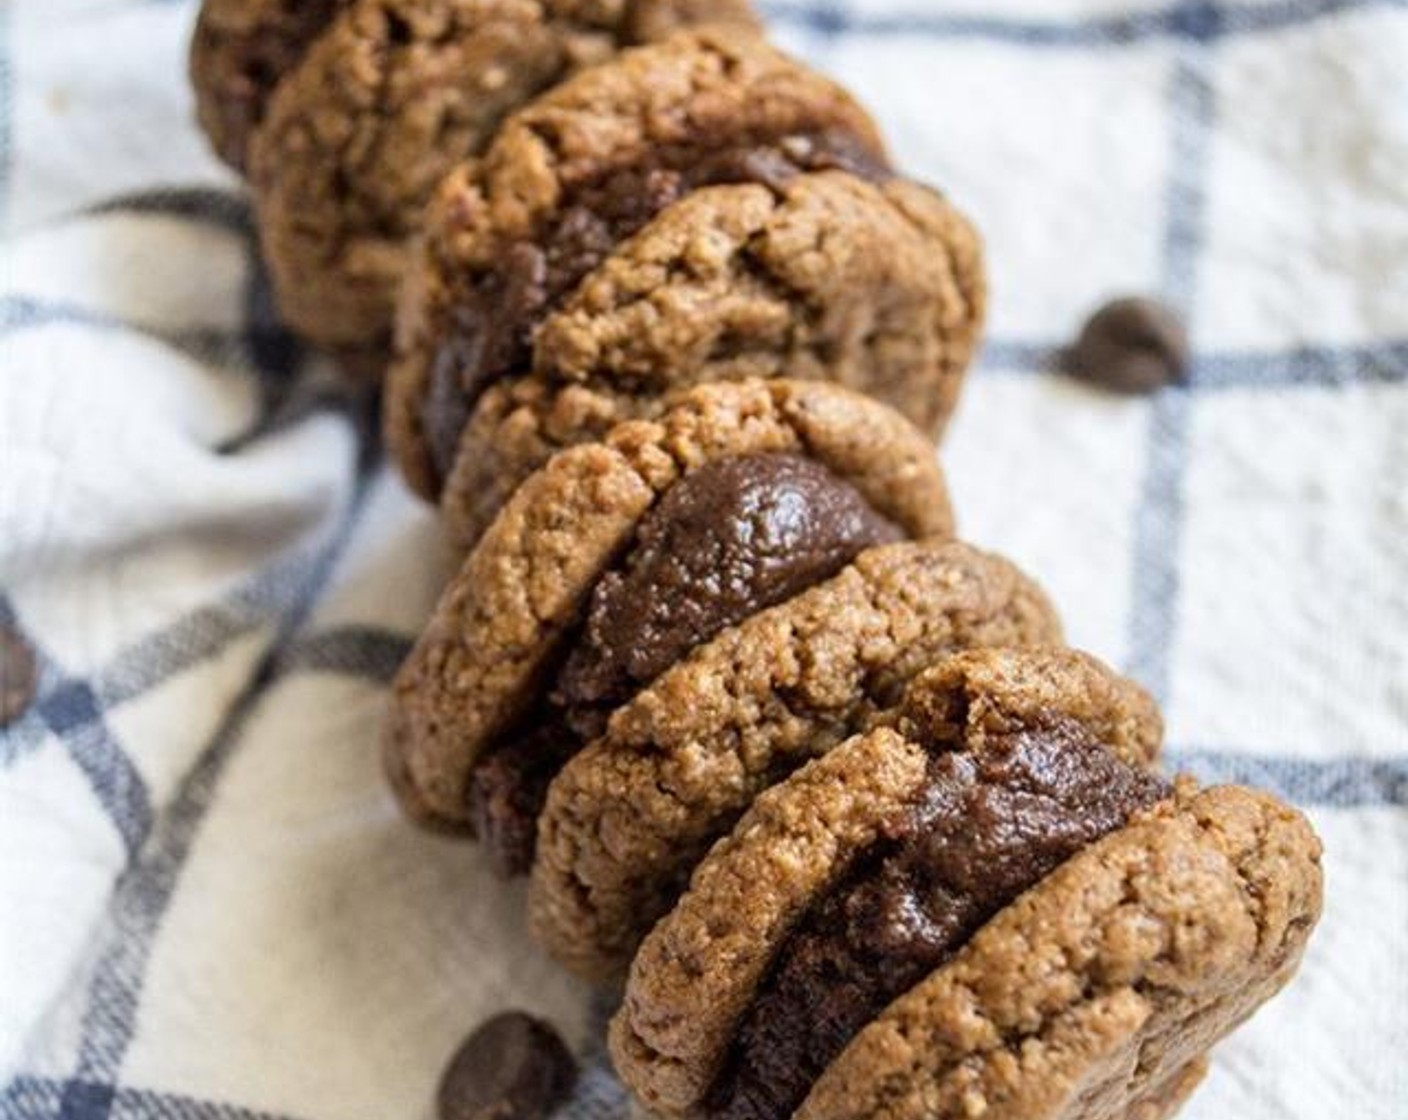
(380, 105)
(878, 287)
(702, 971)
(511, 234)
(1097, 993)
(630, 815)
(241, 50)
(501, 625)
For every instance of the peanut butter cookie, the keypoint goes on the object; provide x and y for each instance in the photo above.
(618, 557)
(631, 814)
(510, 235)
(990, 907)
(240, 51)
(878, 287)
(385, 98)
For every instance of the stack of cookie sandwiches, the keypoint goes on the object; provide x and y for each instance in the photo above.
(669, 343)
(345, 114)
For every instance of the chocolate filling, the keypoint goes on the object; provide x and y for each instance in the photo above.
(509, 785)
(259, 60)
(989, 825)
(737, 536)
(734, 538)
(489, 331)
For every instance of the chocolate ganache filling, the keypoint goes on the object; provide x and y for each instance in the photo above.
(737, 536)
(259, 59)
(989, 825)
(489, 330)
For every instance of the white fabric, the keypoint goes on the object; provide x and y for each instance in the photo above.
(208, 904)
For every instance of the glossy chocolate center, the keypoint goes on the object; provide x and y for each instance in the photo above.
(990, 825)
(735, 537)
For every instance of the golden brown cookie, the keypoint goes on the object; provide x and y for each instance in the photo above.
(240, 51)
(511, 234)
(1013, 760)
(387, 98)
(878, 287)
(629, 816)
(559, 571)
(1107, 983)
(985, 909)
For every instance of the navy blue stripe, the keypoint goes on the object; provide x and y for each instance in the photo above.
(1192, 112)
(71, 710)
(1013, 356)
(84, 1099)
(38, 1098)
(204, 205)
(1310, 366)
(1190, 21)
(1306, 366)
(31, 1098)
(1159, 519)
(1340, 783)
(206, 632)
(352, 651)
(140, 903)
(110, 773)
(208, 344)
(1158, 537)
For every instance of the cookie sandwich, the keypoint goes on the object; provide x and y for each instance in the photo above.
(629, 816)
(346, 113)
(820, 275)
(990, 906)
(617, 558)
(568, 230)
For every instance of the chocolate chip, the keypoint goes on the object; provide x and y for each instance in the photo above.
(1132, 345)
(514, 1067)
(19, 674)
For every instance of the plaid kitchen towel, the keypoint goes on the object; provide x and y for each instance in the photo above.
(209, 907)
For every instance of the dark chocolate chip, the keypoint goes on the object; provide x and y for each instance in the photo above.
(19, 674)
(513, 1067)
(1132, 345)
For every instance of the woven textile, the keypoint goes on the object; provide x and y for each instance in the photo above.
(209, 907)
